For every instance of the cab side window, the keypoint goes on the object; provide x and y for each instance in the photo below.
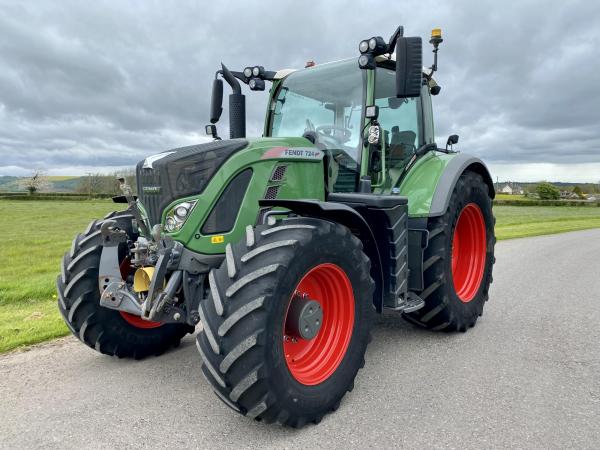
(398, 119)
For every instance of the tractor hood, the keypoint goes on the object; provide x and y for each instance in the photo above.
(167, 176)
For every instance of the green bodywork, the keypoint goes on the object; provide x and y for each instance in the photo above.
(421, 181)
(304, 178)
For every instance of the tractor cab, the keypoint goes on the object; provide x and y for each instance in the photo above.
(326, 104)
(369, 118)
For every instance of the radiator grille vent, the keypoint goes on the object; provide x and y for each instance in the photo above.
(272, 192)
(278, 173)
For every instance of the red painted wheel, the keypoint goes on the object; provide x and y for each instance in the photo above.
(468, 252)
(312, 361)
(136, 321)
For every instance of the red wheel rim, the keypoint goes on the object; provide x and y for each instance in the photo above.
(313, 361)
(468, 252)
(132, 319)
(138, 322)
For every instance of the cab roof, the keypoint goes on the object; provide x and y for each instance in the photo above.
(280, 74)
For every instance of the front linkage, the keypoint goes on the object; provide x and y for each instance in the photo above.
(168, 283)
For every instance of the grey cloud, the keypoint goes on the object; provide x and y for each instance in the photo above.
(105, 83)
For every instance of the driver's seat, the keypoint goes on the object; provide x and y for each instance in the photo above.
(402, 145)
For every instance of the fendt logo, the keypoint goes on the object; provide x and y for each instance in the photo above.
(151, 189)
(297, 152)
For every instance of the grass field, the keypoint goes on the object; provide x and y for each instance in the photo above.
(520, 198)
(524, 221)
(35, 236)
(37, 233)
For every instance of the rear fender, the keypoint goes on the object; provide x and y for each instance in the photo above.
(452, 172)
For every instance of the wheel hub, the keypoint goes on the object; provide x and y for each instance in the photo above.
(304, 318)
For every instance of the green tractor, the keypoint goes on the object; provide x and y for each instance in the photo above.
(282, 249)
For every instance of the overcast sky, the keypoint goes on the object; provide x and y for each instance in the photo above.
(99, 85)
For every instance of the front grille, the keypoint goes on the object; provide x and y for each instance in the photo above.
(148, 180)
(180, 173)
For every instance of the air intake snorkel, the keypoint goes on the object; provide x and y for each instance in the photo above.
(237, 105)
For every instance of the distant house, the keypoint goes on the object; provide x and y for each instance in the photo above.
(569, 195)
(511, 189)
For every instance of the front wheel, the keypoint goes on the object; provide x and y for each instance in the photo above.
(106, 330)
(288, 320)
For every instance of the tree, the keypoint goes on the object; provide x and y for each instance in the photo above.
(97, 183)
(91, 184)
(547, 191)
(36, 182)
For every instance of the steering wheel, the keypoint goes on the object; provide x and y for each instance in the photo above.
(327, 131)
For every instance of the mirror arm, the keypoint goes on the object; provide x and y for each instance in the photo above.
(392, 43)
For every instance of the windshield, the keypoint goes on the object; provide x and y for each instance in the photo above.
(325, 101)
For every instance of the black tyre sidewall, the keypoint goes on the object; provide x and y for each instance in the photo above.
(274, 391)
(310, 399)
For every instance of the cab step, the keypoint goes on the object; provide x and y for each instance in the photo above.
(412, 303)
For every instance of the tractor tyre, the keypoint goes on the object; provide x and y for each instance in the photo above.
(106, 330)
(255, 344)
(458, 262)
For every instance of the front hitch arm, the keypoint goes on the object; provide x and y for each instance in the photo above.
(160, 303)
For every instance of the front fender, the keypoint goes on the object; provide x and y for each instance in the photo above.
(344, 214)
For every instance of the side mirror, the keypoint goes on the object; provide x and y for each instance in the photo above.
(452, 139)
(409, 67)
(216, 102)
(372, 112)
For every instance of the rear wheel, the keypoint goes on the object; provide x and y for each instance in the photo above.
(459, 259)
(288, 320)
(106, 330)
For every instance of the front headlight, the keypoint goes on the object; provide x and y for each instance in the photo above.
(177, 215)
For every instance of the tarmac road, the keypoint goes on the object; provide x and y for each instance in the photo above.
(528, 375)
